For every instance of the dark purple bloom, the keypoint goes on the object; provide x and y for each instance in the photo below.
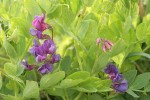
(36, 33)
(111, 69)
(26, 65)
(46, 68)
(121, 87)
(39, 23)
(55, 58)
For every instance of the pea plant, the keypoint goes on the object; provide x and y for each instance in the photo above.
(74, 49)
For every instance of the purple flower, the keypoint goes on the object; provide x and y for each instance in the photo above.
(36, 33)
(46, 68)
(111, 69)
(39, 23)
(49, 46)
(26, 65)
(55, 58)
(121, 87)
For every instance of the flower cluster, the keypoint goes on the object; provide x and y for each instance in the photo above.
(106, 44)
(118, 83)
(44, 53)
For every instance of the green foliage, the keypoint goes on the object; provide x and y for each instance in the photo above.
(76, 26)
(51, 79)
(31, 90)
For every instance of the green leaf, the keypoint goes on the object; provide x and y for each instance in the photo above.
(9, 97)
(88, 85)
(107, 6)
(56, 92)
(147, 88)
(10, 51)
(3, 13)
(91, 34)
(10, 68)
(104, 86)
(65, 63)
(51, 79)
(32, 7)
(141, 31)
(118, 47)
(0, 81)
(127, 25)
(101, 62)
(140, 81)
(31, 90)
(139, 54)
(22, 25)
(83, 28)
(66, 83)
(130, 76)
(95, 97)
(21, 47)
(132, 93)
(79, 75)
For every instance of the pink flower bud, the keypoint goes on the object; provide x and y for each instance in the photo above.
(103, 48)
(98, 41)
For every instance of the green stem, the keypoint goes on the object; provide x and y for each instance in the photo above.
(94, 65)
(26, 49)
(78, 96)
(78, 57)
(35, 76)
(145, 49)
(66, 95)
(46, 94)
(15, 89)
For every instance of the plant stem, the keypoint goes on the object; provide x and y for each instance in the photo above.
(66, 95)
(78, 96)
(46, 94)
(78, 57)
(96, 58)
(35, 76)
(15, 89)
(26, 49)
(145, 49)
(138, 68)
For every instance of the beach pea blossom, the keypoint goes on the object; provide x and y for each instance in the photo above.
(39, 23)
(118, 83)
(44, 48)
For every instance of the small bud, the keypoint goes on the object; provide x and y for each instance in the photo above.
(98, 41)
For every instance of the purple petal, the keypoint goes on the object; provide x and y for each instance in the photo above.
(121, 87)
(26, 65)
(39, 23)
(111, 69)
(55, 58)
(40, 58)
(35, 43)
(46, 68)
(117, 78)
(36, 33)
(52, 49)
